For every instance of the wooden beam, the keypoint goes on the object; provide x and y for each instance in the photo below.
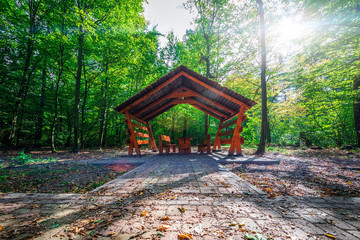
(158, 110)
(217, 137)
(152, 91)
(216, 91)
(152, 140)
(183, 95)
(206, 111)
(231, 117)
(137, 119)
(132, 135)
(227, 133)
(140, 134)
(170, 95)
(184, 101)
(235, 143)
(210, 109)
(225, 141)
(229, 124)
(210, 101)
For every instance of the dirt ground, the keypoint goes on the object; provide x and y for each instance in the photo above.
(61, 172)
(315, 173)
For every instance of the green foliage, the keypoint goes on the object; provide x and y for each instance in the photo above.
(24, 159)
(310, 88)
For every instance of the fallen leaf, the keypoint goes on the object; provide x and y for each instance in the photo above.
(165, 218)
(76, 230)
(181, 209)
(111, 233)
(185, 236)
(143, 213)
(172, 198)
(162, 228)
(160, 234)
(0, 228)
(233, 224)
(228, 185)
(330, 236)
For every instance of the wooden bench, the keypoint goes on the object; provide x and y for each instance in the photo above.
(167, 145)
(206, 145)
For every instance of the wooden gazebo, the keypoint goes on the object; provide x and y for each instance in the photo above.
(184, 86)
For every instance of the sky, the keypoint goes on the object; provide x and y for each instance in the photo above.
(168, 15)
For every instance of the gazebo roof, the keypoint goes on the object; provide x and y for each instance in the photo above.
(184, 86)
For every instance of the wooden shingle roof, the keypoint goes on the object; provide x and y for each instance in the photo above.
(184, 86)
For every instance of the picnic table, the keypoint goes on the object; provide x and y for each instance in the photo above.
(184, 145)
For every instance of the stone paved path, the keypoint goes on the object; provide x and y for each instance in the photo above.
(217, 204)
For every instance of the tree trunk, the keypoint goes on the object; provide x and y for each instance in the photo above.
(103, 108)
(56, 100)
(184, 127)
(261, 148)
(356, 106)
(22, 91)
(40, 117)
(206, 116)
(172, 126)
(77, 90)
(83, 107)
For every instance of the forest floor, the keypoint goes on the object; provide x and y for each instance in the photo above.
(316, 173)
(62, 172)
(329, 172)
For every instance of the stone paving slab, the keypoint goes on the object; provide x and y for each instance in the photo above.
(193, 194)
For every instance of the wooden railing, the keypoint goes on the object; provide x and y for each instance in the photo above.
(137, 130)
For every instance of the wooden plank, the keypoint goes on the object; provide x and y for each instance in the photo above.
(142, 142)
(152, 140)
(170, 95)
(229, 124)
(225, 141)
(217, 137)
(140, 127)
(140, 134)
(210, 101)
(152, 91)
(227, 133)
(206, 111)
(164, 138)
(183, 94)
(132, 135)
(216, 91)
(184, 101)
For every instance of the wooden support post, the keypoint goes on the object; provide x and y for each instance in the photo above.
(236, 142)
(152, 144)
(217, 137)
(133, 142)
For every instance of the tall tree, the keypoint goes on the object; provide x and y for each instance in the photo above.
(264, 124)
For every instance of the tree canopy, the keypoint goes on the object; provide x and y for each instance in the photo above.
(64, 66)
